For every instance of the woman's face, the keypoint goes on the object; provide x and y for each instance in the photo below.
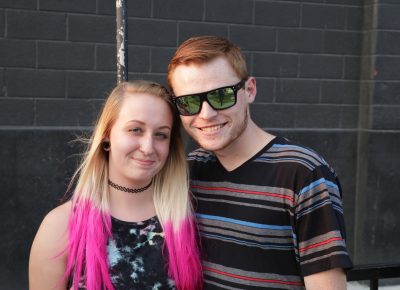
(139, 139)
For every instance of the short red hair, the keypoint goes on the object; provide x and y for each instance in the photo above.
(203, 49)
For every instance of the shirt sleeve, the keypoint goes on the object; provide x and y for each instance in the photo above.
(319, 220)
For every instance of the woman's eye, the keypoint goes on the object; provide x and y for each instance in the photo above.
(162, 135)
(135, 130)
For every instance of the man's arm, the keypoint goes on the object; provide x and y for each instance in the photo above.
(334, 279)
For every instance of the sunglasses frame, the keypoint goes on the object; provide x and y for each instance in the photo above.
(203, 97)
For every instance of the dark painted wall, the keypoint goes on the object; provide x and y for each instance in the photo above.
(327, 71)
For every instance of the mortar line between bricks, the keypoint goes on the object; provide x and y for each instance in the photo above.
(177, 34)
(346, 19)
(309, 104)
(59, 99)
(5, 23)
(45, 128)
(385, 106)
(95, 57)
(387, 55)
(253, 14)
(274, 92)
(343, 68)
(65, 70)
(35, 11)
(312, 129)
(66, 85)
(152, 9)
(150, 60)
(347, 130)
(67, 27)
(204, 11)
(5, 87)
(85, 128)
(36, 55)
(34, 112)
(301, 15)
(320, 93)
(342, 5)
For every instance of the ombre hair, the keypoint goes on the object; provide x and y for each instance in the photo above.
(89, 225)
(203, 49)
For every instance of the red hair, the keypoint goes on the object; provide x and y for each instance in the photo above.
(203, 49)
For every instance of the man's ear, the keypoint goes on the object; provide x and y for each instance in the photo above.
(251, 89)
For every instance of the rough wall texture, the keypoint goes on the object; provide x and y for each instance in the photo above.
(327, 73)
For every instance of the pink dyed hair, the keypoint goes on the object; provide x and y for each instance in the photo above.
(89, 225)
(89, 230)
(184, 261)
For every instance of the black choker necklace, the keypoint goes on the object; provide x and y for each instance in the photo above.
(130, 190)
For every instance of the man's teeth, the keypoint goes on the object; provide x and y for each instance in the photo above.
(211, 128)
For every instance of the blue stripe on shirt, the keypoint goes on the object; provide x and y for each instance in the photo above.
(243, 223)
(318, 182)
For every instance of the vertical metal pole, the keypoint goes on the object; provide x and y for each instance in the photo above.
(374, 284)
(122, 40)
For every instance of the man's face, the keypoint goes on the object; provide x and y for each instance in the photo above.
(213, 130)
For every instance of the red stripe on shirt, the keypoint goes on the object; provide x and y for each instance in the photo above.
(244, 191)
(320, 244)
(253, 278)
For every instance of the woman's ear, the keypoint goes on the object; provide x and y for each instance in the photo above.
(106, 145)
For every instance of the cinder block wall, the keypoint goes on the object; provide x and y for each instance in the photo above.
(327, 72)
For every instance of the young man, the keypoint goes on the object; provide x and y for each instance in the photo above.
(269, 210)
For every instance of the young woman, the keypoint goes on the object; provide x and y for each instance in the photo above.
(129, 223)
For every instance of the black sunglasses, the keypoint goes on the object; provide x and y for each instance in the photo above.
(219, 99)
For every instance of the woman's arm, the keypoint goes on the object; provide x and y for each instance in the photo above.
(47, 261)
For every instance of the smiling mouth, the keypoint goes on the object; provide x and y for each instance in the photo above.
(144, 161)
(211, 129)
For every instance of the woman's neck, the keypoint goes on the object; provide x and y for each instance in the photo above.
(132, 207)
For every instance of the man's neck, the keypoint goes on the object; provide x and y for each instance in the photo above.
(249, 143)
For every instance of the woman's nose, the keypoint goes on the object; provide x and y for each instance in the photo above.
(146, 145)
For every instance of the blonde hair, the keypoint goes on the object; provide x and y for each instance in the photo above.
(91, 199)
(170, 184)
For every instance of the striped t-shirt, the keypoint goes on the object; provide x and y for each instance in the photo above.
(272, 220)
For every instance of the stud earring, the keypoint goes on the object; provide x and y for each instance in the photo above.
(106, 145)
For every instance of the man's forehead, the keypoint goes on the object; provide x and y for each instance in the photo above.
(216, 67)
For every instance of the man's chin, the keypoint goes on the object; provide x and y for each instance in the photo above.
(212, 146)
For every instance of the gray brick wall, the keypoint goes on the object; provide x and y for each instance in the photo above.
(378, 136)
(327, 73)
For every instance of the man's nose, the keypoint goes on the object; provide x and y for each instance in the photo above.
(207, 112)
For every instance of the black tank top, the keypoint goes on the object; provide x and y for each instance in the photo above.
(135, 256)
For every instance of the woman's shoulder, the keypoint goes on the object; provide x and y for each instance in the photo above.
(55, 223)
(48, 256)
(52, 233)
(58, 217)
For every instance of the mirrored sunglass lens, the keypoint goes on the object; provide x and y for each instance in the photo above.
(222, 98)
(188, 105)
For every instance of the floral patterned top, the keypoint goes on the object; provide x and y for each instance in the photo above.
(135, 256)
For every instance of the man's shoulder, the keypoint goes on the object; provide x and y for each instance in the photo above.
(283, 150)
(286, 144)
